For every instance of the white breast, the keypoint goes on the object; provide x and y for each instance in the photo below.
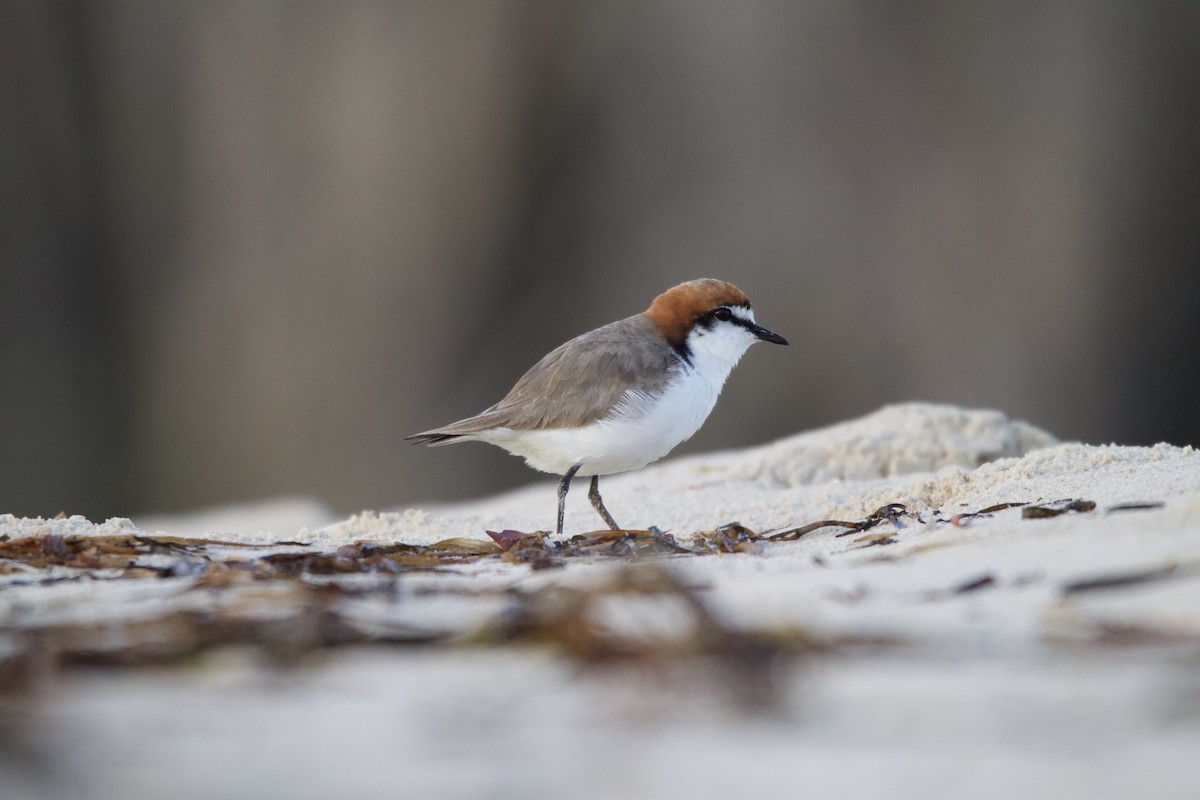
(642, 428)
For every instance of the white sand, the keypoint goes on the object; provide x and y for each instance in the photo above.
(1016, 689)
(797, 479)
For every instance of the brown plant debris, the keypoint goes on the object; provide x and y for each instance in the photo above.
(1122, 580)
(288, 598)
(1149, 505)
(218, 562)
(974, 584)
(1057, 508)
(998, 507)
(301, 618)
(892, 512)
(587, 625)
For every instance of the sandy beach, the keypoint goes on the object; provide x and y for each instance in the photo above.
(987, 612)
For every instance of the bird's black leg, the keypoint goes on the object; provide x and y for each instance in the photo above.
(598, 504)
(563, 485)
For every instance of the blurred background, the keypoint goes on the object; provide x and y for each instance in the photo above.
(245, 248)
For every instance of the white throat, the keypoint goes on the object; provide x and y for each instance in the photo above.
(717, 350)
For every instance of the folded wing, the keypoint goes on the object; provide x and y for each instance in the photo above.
(578, 383)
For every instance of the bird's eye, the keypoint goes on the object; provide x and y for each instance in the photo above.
(723, 314)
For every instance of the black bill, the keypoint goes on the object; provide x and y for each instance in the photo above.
(766, 335)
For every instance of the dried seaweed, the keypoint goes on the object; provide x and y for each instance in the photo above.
(1122, 580)
(974, 584)
(302, 589)
(968, 586)
(892, 512)
(573, 621)
(874, 540)
(506, 538)
(1148, 505)
(733, 537)
(1057, 508)
(303, 619)
(998, 507)
(216, 563)
(170, 557)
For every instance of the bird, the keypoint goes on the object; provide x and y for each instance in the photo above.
(623, 395)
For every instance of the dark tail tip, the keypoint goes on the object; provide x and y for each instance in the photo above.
(430, 438)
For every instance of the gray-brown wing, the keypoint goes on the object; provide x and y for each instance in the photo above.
(578, 382)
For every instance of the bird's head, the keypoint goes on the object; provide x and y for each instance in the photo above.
(708, 322)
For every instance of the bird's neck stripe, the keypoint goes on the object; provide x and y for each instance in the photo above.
(683, 351)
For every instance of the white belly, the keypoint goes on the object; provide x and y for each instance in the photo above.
(642, 431)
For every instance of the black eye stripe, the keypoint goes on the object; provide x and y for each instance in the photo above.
(724, 314)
